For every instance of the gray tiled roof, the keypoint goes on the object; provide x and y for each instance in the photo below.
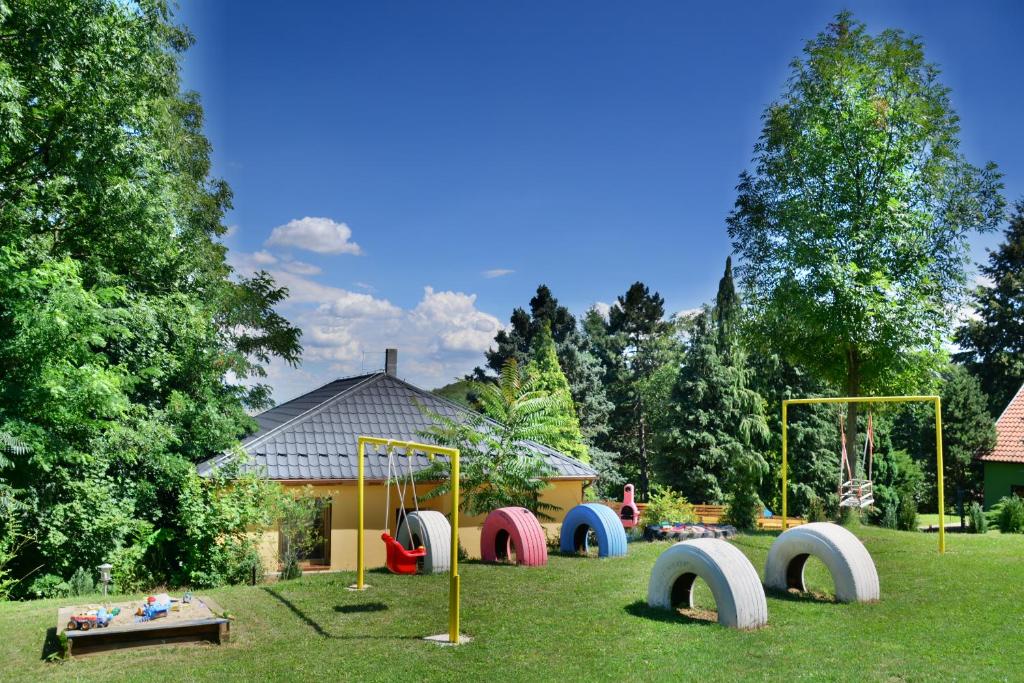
(314, 436)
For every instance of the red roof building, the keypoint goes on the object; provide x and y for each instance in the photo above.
(1004, 464)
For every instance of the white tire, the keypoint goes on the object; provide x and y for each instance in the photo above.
(432, 530)
(739, 595)
(853, 571)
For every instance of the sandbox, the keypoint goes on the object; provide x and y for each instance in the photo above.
(198, 621)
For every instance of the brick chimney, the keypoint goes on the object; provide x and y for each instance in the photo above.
(391, 362)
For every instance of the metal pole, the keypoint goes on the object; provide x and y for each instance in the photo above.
(359, 534)
(939, 474)
(785, 484)
(453, 589)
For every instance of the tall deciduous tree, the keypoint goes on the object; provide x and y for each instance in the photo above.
(993, 343)
(853, 224)
(127, 344)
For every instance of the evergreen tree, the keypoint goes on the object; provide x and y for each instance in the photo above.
(812, 435)
(992, 345)
(581, 368)
(642, 353)
(716, 426)
(548, 377)
(967, 431)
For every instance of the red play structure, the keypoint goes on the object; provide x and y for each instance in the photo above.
(400, 560)
(629, 513)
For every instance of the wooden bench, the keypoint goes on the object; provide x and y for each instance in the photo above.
(712, 514)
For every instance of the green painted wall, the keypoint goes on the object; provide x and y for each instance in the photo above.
(999, 478)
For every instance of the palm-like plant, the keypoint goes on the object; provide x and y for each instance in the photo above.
(499, 468)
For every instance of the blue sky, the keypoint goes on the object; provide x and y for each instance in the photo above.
(391, 160)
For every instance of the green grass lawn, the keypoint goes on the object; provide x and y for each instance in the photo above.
(955, 617)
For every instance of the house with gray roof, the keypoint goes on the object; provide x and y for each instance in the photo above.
(311, 441)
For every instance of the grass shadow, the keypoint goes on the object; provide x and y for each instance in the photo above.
(305, 618)
(54, 647)
(644, 611)
(361, 608)
(801, 596)
(324, 633)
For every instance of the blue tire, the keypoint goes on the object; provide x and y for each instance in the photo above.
(611, 537)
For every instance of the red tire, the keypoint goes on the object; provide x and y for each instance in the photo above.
(513, 530)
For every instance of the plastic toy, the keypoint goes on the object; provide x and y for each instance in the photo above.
(155, 608)
(94, 618)
(400, 560)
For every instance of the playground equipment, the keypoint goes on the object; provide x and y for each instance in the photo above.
(611, 536)
(400, 560)
(430, 530)
(935, 400)
(411, 448)
(739, 595)
(849, 562)
(856, 492)
(513, 530)
(629, 513)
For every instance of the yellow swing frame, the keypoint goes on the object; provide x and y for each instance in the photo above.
(935, 400)
(410, 448)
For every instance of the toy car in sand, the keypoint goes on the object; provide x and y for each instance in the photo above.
(94, 618)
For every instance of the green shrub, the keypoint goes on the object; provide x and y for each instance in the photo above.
(978, 520)
(666, 505)
(744, 508)
(1010, 516)
(816, 510)
(888, 517)
(298, 535)
(48, 586)
(906, 514)
(81, 583)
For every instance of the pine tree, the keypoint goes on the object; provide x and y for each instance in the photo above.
(582, 369)
(641, 352)
(717, 425)
(993, 343)
(548, 378)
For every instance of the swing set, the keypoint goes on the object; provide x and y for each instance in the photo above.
(401, 560)
(859, 492)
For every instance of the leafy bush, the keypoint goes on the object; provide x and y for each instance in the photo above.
(298, 537)
(1010, 515)
(666, 505)
(48, 586)
(979, 522)
(906, 514)
(816, 510)
(744, 508)
(888, 518)
(81, 583)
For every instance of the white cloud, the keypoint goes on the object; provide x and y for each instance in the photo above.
(497, 272)
(301, 268)
(365, 285)
(321, 235)
(264, 258)
(602, 308)
(443, 336)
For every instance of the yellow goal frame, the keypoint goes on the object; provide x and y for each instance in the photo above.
(935, 400)
(411, 448)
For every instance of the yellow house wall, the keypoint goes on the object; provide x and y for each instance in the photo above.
(566, 494)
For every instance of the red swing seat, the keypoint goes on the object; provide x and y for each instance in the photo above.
(400, 560)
